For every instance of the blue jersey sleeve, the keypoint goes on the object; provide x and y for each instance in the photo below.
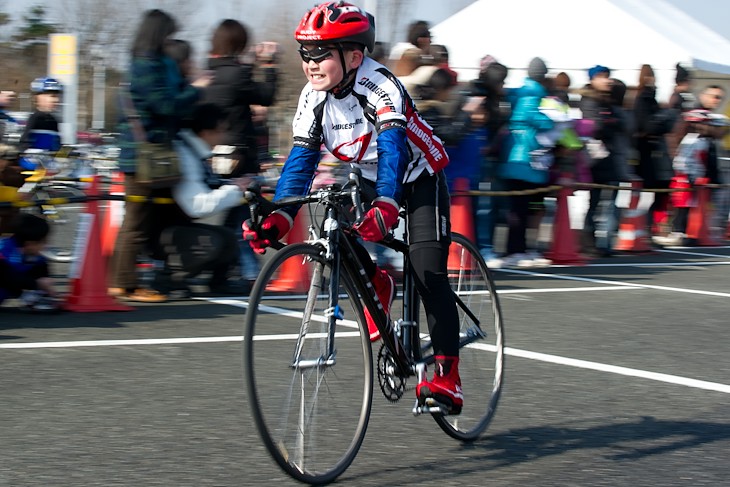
(392, 162)
(297, 174)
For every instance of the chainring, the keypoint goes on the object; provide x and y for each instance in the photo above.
(392, 385)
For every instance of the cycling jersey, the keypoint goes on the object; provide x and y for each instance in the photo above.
(364, 126)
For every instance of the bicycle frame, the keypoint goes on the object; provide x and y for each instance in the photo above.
(402, 338)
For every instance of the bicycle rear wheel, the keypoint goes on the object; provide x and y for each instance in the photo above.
(311, 408)
(481, 363)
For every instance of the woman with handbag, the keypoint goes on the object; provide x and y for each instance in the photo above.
(160, 97)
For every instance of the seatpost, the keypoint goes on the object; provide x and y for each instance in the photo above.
(408, 324)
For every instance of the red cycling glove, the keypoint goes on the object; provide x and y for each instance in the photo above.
(378, 220)
(273, 228)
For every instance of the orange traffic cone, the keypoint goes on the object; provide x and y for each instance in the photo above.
(632, 231)
(292, 274)
(113, 216)
(462, 220)
(698, 221)
(88, 271)
(564, 249)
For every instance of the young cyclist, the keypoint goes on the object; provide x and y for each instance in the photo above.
(41, 130)
(364, 116)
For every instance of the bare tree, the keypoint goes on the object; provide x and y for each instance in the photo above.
(4, 17)
(105, 31)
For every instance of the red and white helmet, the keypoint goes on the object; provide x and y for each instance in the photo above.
(336, 22)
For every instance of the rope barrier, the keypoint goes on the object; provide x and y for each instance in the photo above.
(474, 193)
(581, 186)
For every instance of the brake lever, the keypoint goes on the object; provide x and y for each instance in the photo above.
(253, 196)
(259, 208)
(354, 181)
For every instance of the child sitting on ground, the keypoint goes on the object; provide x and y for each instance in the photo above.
(23, 270)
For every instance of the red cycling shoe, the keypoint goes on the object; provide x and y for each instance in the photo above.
(445, 387)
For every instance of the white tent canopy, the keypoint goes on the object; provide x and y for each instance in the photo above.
(573, 35)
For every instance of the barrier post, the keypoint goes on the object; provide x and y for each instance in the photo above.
(698, 222)
(113, 216)
(88, 270)
(564, 249)
(632, 230)
(462, 218)
(292, 275)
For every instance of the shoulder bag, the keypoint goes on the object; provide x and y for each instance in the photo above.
(157, 164)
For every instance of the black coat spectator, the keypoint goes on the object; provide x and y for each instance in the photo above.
(652, 123)
(234, 90)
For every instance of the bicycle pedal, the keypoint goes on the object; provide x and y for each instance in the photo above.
(431, 406)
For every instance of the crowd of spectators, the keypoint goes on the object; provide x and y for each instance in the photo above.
(606, 132)
(518, 138)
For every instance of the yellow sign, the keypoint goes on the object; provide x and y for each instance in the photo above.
(62, 55)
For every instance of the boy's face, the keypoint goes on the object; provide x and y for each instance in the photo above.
(322, 66)
(47, 102)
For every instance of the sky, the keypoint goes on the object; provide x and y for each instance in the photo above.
(265, 18)
(714, 13)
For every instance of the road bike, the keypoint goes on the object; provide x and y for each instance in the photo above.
(308, 361)
(56, 191)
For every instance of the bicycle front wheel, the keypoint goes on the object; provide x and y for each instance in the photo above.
(481, 362)
(310, 390)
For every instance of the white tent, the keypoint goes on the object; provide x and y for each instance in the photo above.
(573, 35)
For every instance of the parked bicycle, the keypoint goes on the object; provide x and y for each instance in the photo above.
(307, 355)
(57, 194)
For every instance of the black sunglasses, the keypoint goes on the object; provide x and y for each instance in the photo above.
(318, 54)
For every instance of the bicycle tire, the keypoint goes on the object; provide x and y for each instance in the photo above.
(312, 419)
(481, 362)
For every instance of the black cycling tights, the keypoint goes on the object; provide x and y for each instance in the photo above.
(428, 260)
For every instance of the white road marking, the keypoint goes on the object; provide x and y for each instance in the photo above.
(701, 254)
(654, 264)
(614, 369)
(543, 357)
(618, 283)
(112, 343)
(567, 289)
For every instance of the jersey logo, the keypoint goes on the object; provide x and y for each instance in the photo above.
(363, 141)
(421, 135)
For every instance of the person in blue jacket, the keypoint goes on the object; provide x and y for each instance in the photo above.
(524, 168)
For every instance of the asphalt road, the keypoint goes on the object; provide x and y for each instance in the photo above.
(617, 374)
